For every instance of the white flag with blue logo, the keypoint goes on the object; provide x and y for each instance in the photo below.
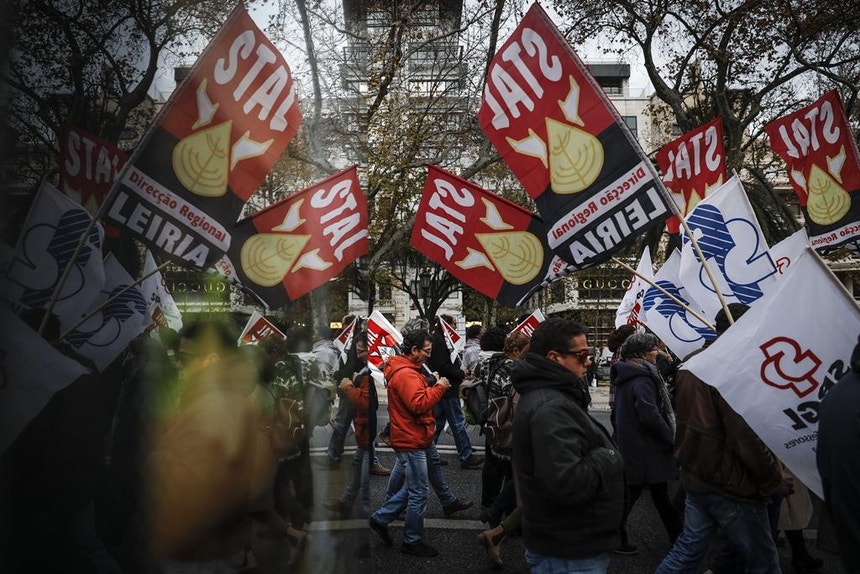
(776, 363)
(727, 231)
(31, 371)
(102, 337)
(163, 312)
(50, 236)
(676, 326)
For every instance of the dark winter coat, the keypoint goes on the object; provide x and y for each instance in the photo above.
(440, 362)
(642, 431)
(839, 463)
(571, 475)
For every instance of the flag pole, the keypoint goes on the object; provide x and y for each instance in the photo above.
(666, 293)
(87, 317)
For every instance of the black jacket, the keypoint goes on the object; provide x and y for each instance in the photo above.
(571, 475)
(643, 433)
(440, 362)
(839, 463)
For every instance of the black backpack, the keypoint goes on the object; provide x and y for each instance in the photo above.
(499, 425)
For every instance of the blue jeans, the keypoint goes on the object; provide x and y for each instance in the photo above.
(539, 564)
(359, 482)
(745, 525)
(345, 414)
(435, 474)
(449, 409)
(412, 496)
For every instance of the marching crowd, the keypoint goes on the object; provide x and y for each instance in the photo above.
(162, 463)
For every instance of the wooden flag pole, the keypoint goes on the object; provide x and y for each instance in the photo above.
(86, 317)
(666, 293)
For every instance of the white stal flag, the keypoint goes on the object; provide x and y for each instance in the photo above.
(734, 247)
(383, 341)
(258, 328)
(631, 305)
(163, 311)
(530, 323)
(776, 363)
(343, 342)
(51, 234)
(106, 334)
(682, 332)
(31, 371)
(453, 340)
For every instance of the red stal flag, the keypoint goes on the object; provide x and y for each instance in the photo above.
(567, 144)
(207, 152)
(823, 168)
(692, 165)
(487, 242)
(282, 252)
(89, 165)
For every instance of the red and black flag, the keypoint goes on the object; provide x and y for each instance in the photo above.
(487, 242)
(561, 136)
(692, 166)
(282, 252)
(207, 152)
(823, 168)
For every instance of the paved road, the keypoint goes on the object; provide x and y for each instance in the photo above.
(348, 546)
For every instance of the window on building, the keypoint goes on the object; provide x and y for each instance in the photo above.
(632, 123)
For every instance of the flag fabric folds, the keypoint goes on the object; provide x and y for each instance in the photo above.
(297, 244)
(163, 312)
(31, 371)
(221, 132)
(734, 247)
(257, 328)
(692, 166)
(487, 242)
(631, 304)
(821, 154)
(785, 353)
(106, 334)
(51, 233)
(594, 187)
(676, 326)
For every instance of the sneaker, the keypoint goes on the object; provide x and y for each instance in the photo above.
(380, 470)
(474, 461)
(626, 549)
(419, 549)
(382, 531)
(456, 506)
(384, 439)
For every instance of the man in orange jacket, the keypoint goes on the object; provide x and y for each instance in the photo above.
(410, 411)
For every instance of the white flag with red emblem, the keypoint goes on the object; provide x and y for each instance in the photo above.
(530, 323)
(257, 328)
(383, 341)
(343, 341)
(629, 310)
(453, 340)
(785, 353)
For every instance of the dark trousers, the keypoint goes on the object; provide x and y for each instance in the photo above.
(294, 488)
(660, 496)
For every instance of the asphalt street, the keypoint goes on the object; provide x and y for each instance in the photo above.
(348, 546)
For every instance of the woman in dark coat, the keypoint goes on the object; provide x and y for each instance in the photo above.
(645, 431)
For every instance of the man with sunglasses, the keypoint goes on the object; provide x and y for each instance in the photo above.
(569, 473)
